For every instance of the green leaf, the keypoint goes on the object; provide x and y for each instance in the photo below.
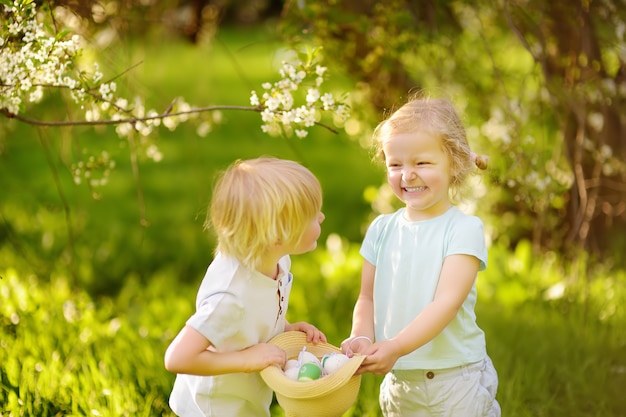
(62, 34)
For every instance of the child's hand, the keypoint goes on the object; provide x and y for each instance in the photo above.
(259, 357)
(381, 357)
(313, 334)
(355, 344)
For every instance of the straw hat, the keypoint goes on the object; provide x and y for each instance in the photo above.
(329, 396)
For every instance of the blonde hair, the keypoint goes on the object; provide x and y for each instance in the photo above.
(260, 202)
(438, 117)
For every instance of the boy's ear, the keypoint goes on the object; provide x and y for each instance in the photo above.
(278, 244)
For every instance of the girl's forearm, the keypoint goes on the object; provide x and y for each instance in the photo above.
(425, 327)
(455, 282)
(363, 318)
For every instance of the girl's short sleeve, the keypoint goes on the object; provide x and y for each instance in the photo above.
(370, 246)
(468, 238)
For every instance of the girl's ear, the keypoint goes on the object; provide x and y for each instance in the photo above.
(454, 173)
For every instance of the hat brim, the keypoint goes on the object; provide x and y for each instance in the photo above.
(292, 342)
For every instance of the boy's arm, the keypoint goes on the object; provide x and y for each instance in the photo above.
(189, 354)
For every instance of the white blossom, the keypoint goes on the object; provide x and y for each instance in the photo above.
(254, 99)
(288, 117)
(280, 111)
(272, 103)
(286, 100)
(312, 95)
(154, 153)
(267, 116)
(123, 129)
(327, 101)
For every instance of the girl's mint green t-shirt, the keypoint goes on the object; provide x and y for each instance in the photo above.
(408, 257)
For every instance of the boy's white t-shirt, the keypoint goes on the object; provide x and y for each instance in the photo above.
(236, 307)
(408, 257)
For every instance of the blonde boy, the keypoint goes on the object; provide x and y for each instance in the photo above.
(263, 210)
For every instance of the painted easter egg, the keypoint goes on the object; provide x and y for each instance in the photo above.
(333, 362)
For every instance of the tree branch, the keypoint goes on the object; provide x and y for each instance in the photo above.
(133, 120)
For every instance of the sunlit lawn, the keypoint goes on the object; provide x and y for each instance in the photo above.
(64, 353)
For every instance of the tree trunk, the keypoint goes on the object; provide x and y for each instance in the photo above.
(596, 200)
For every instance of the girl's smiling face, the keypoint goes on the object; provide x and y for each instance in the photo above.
(418, 171)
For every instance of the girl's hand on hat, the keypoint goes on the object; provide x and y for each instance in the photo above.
(381, 357)
(355, 344)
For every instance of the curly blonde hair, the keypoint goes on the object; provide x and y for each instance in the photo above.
(438, 117)
(260, 202)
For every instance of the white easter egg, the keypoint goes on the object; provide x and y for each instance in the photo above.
(292, 373)
(291, 363)
(307, 357)
(332, 363)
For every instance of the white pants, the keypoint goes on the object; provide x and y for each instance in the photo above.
(463, 391)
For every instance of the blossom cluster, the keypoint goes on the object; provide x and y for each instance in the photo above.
(95, 170)
(34, 62)
(281, 115)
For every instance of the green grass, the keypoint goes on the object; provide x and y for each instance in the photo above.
(554, 364)
(64, 352)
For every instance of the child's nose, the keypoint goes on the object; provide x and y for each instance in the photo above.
(409, 175)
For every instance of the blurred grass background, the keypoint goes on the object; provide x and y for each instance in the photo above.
(175, 191)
